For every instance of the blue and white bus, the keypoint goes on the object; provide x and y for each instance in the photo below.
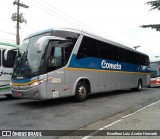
(69, 62)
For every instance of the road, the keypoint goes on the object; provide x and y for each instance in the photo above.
(65, 114)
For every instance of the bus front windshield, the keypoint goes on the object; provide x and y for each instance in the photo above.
(28, 62)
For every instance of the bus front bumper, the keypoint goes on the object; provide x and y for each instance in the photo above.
(31, 93)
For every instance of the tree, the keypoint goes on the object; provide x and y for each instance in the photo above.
(154, 5)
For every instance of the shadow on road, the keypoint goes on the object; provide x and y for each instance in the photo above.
(113, 93)
(70, 100)
(47, 103)
(4, 98)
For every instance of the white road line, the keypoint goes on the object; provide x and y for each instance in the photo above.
(93, 133)
(122, 118)
(140, 109)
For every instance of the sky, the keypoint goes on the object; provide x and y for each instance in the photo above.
(118, 20)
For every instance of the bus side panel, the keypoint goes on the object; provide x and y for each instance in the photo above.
(5, 87)
(5, 76)
(145, 79)
(105, 81)
(116, 80)
(129, 80)
(95, 81)
(77, 75)
(56, 86)
(148, 80)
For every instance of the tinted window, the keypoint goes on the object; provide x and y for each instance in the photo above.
(95, 48)
(71, 39)
(105, 50)
(8, 63)
(55, 55)
(88, 48)
(122, 54)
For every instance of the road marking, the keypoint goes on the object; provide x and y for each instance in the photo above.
(122, 118)
(93, 133)
(140, 109)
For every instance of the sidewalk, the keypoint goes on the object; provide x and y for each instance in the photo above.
(147, 118)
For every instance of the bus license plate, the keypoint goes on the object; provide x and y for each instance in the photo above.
(19, 94)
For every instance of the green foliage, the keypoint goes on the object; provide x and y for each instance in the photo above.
(154, 5)
(153, 26)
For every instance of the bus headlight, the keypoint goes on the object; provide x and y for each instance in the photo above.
(10, 83)
(36, 83)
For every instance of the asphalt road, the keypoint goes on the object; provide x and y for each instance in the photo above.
(66, 114)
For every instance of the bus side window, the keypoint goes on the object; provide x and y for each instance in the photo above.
(51, 57)
(8, 63)
(88, 48)
(55, 56)
(105, 50)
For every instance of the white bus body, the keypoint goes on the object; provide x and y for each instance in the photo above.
(7, 56)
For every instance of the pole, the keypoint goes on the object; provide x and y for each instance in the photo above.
(17, 34)
(18, 18)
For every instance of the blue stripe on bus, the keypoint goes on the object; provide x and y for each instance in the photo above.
(96, 63)
(24, 80)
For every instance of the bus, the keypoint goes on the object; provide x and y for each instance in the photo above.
(155, 73)
(68, 62)
(7, 56)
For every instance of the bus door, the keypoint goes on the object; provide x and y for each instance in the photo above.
(55, 85)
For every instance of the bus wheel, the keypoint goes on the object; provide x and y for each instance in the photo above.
(139, 85)
(81, 92)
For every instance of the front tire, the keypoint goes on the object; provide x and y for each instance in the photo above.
(81, 91)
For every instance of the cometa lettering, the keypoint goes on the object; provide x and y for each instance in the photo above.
(106, 65)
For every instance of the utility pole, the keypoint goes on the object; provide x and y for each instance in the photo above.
(18, 18)
(17, 34)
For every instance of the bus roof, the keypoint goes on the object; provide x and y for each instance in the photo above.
(39, 32)
(87, 34)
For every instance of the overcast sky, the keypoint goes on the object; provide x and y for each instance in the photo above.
(117, 20)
